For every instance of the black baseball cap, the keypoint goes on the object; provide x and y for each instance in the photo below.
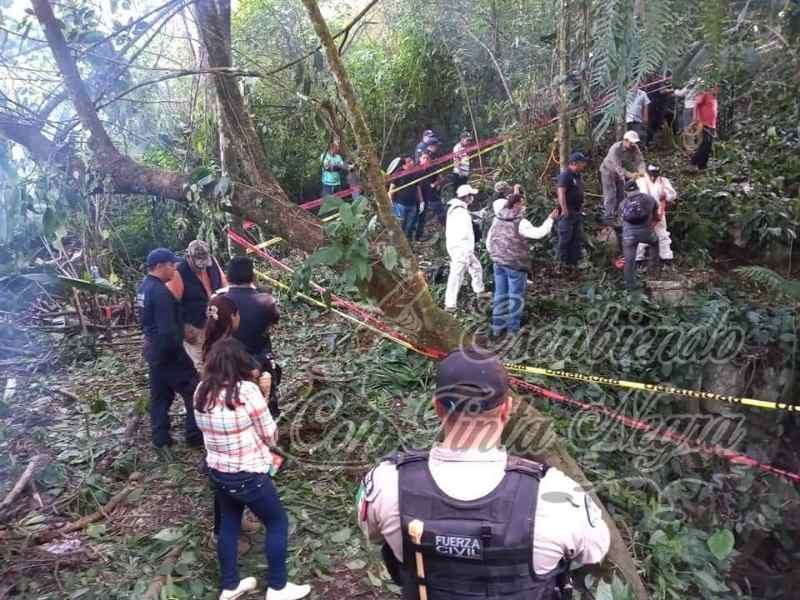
(471, 380)
(160, 256)
(631, 186)
(428, 133)
(576, 157)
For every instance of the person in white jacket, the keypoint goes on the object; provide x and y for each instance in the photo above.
(460, 242)
(661, 189)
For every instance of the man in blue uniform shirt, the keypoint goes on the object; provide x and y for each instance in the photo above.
(170, 369)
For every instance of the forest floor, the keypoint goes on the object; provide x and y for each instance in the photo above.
(88, 421)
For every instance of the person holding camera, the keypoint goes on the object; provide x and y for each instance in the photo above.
(238, 430)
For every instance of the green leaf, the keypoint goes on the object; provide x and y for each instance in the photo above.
(390, 258)
(89, 286)
(347, 215)
(706, 582)
(374, 579)
(329, 255)
(96, 530)
(721, 543)
(355, 565)
(169, 534)
(341, 536)
(330, 204)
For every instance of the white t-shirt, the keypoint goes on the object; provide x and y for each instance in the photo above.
(567, 522)
(637, 102)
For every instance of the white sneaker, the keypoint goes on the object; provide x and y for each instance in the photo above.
(290, 592)
(246, 585)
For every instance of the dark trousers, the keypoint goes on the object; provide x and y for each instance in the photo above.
(329, 190)
(234, 491)
(570, 239)
(166, 380)
(630, 242)
(458, 180)
(703, 153)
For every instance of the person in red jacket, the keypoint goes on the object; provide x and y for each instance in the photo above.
(705, 111)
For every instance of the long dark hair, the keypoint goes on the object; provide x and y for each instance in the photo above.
(514, 200)
(219, 321)
(226, 365)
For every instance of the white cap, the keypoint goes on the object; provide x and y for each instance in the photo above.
(631, 136)
(465, 190)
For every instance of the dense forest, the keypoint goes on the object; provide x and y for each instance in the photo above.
(130, 125)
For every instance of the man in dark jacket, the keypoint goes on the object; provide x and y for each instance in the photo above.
(258, 312)
(195, 281)
(570, 204)
(170, 368)
(639, 215)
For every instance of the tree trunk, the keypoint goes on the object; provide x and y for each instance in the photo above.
(563, 71)
(586, 76)
(413, 285)
(405, 291)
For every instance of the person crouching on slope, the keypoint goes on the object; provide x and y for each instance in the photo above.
(661, 189)
(508, 247)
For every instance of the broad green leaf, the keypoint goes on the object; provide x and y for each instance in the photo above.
(169, 534)
(721, 543)
(341, 536)
(390, 258)
(329, 255)
(356, 564)
(330, 204)
(96, 530)
(706, 582)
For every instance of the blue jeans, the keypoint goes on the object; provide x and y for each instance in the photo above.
(234, 491)
(407, 215)
(509, 299)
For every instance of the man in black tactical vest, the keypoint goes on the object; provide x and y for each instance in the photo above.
(493, 525)
(195, 281)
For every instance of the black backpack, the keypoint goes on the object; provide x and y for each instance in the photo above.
(633, 211)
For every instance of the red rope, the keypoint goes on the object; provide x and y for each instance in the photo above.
(630, 422)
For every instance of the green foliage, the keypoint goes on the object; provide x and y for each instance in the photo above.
(348, 241)
(770, 279)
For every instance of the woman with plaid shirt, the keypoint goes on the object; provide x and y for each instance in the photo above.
(238, 430)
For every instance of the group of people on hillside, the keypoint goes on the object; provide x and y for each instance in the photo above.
(636, 198)
(207, 338)
(228, 387)
(645, 114)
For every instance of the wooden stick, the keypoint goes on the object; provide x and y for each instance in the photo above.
(103, 512)
(22, 482)
(415, 529)
(154, 590)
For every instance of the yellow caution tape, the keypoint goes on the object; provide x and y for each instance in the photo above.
(652, 387)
